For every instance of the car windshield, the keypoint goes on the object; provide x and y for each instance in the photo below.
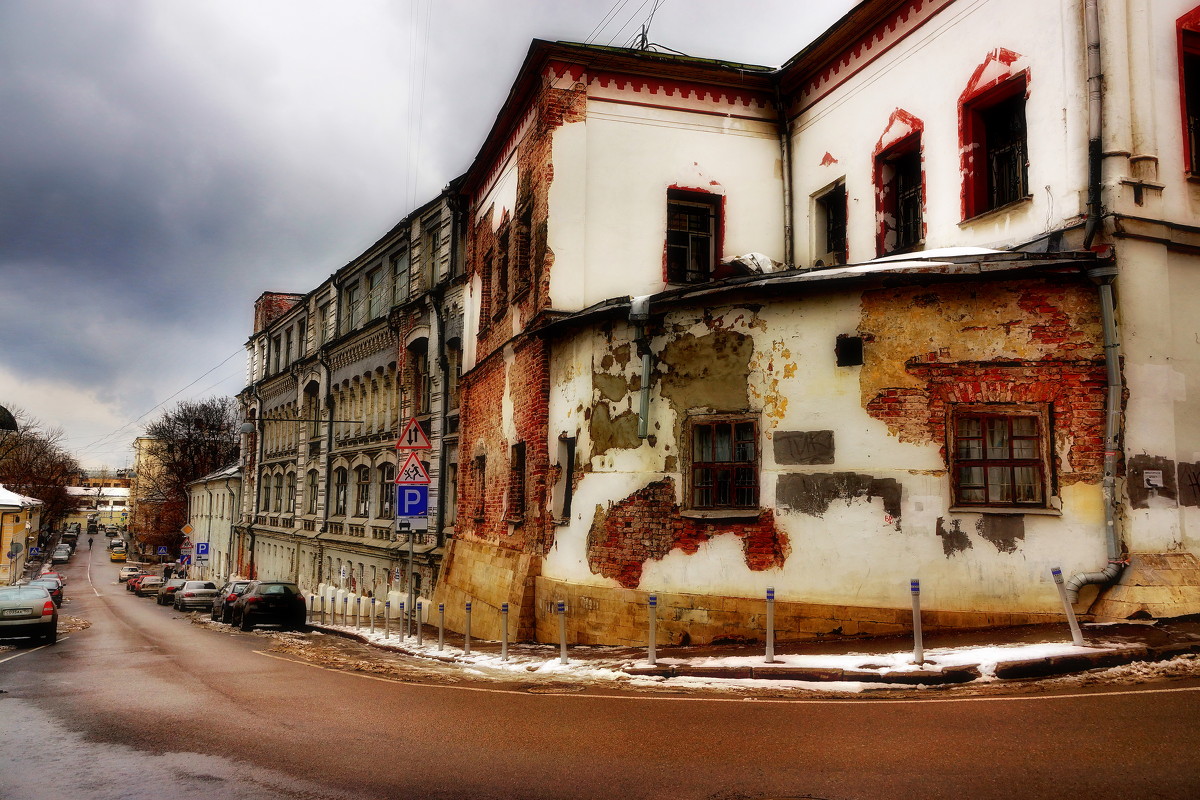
(22, 593)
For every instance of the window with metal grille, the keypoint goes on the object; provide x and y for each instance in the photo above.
(692, 236)
(724, 463)
(999, 458)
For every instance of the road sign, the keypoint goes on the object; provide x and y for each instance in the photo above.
(413, 437)
(412, 501)
(186, 549)
(162, 550)
(187, 529)
(201, 549)
(185, 560)
(34, 552)
(413, 471)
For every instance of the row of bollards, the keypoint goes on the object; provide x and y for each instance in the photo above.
(652, 615)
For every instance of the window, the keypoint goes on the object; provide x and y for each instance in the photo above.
(451, 486)
(516, 483)
(310, 491)
(323, 324)
(376, 293)
(387, 491)
(899, 171)
(352, 315)
(339, 491)
(723, 463)
(480, 486)
(995, 160)
(276, 351)
(400, 277)
(1189, 66)
(522, 261)
(453, 372)
(692, 236)
(565, 485)
(830, 224)
(431, 242)
(998, 456)
(289, 505)
(266, 494)
(362, 495)
(302, 338)
(419, 383)
(500, 273)
(288, 343)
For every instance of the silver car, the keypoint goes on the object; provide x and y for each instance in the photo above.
(28, 611)
(195, 594)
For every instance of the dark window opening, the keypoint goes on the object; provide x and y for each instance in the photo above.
(480, 487)
(1191, 95)
(692, 234)
(500, 274)
(831, 208)
(522, 261)
(849, 351)
(516, 483)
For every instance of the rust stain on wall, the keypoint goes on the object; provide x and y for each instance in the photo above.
(647, 525)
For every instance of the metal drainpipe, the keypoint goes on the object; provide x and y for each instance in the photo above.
(262, 435)
(1104, 276)
(232, 495)
(438, 297)
(639, 316)
(1095, 104)
(785, 150)
(1112, 433)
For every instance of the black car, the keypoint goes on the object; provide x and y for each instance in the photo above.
(223, 604)
(270, 602)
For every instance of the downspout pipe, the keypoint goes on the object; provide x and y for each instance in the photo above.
(1112, 433)
(1095, 107)
(785, 151)
(639, 317)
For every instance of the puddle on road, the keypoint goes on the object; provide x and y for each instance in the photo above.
(42, 760)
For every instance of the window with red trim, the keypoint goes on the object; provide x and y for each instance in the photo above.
(1189, 77)
(996, 171)
(901, 189)
(693, 233)
(999, 456)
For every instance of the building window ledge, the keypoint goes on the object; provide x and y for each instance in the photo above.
(1010, 510)
(999, 211)
(721, 513)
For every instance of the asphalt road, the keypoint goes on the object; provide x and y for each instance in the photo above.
(144, 704)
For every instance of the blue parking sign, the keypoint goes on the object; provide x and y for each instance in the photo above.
(412, 500)
(201, 549)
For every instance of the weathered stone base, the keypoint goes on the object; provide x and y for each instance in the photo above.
(608, 616)
(1154, 585)
(488, 576)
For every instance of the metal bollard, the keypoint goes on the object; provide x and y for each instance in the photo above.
(652, 612)
(504, 631)
(312, 605)
(357, 611)
(441, 625)
(420, 628)
(770, 658)
(345, 609)
(467, 632)
(372, 615)
(918, 647)
(403, 631)
(323, 617)
(562, 632)
(1076, 634)
(387, 619)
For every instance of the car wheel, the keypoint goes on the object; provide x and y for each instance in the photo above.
(227, 617)
(51, 636)
(245, 623)
(212, 614)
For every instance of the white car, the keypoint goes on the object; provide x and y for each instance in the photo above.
(128, 571)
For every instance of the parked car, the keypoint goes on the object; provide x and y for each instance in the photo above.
(148, 585)
(194, 594)
(59, 575)
(223, 604)
(28, 611)
(52, 585)
(166, 593)
(62, 554)
(133, 583)
(128, 571)
(270, 603)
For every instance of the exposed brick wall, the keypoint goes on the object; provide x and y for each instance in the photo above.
(269, 307)
(648, 525)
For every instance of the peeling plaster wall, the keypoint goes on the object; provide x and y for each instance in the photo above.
(853, 508)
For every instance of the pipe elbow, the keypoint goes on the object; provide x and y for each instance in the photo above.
(1081, 579)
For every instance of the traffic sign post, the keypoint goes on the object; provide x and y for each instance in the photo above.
(412, 501)
(201, 552)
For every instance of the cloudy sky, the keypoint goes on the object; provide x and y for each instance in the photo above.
(163, 163)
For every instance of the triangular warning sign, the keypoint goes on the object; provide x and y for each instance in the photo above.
(413, 438)
(413, 472)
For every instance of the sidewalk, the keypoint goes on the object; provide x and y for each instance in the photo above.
(836, 664)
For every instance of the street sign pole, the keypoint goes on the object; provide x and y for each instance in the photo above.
(412, 598)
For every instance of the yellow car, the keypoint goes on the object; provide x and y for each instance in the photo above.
(116, 555)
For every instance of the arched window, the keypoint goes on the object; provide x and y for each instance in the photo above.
(362, 495)
(387, 491)
(310, 491)
(339, 491)
(278, 493)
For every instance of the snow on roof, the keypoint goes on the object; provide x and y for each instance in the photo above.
(98, 491)
(10, 499)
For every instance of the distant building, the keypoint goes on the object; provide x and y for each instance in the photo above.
(104, 506)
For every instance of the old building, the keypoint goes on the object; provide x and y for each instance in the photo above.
(214, 506)
(917, 304)
(335, 375)
(20, 521)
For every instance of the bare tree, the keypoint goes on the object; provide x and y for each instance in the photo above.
(33, 462)
(188, 442)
